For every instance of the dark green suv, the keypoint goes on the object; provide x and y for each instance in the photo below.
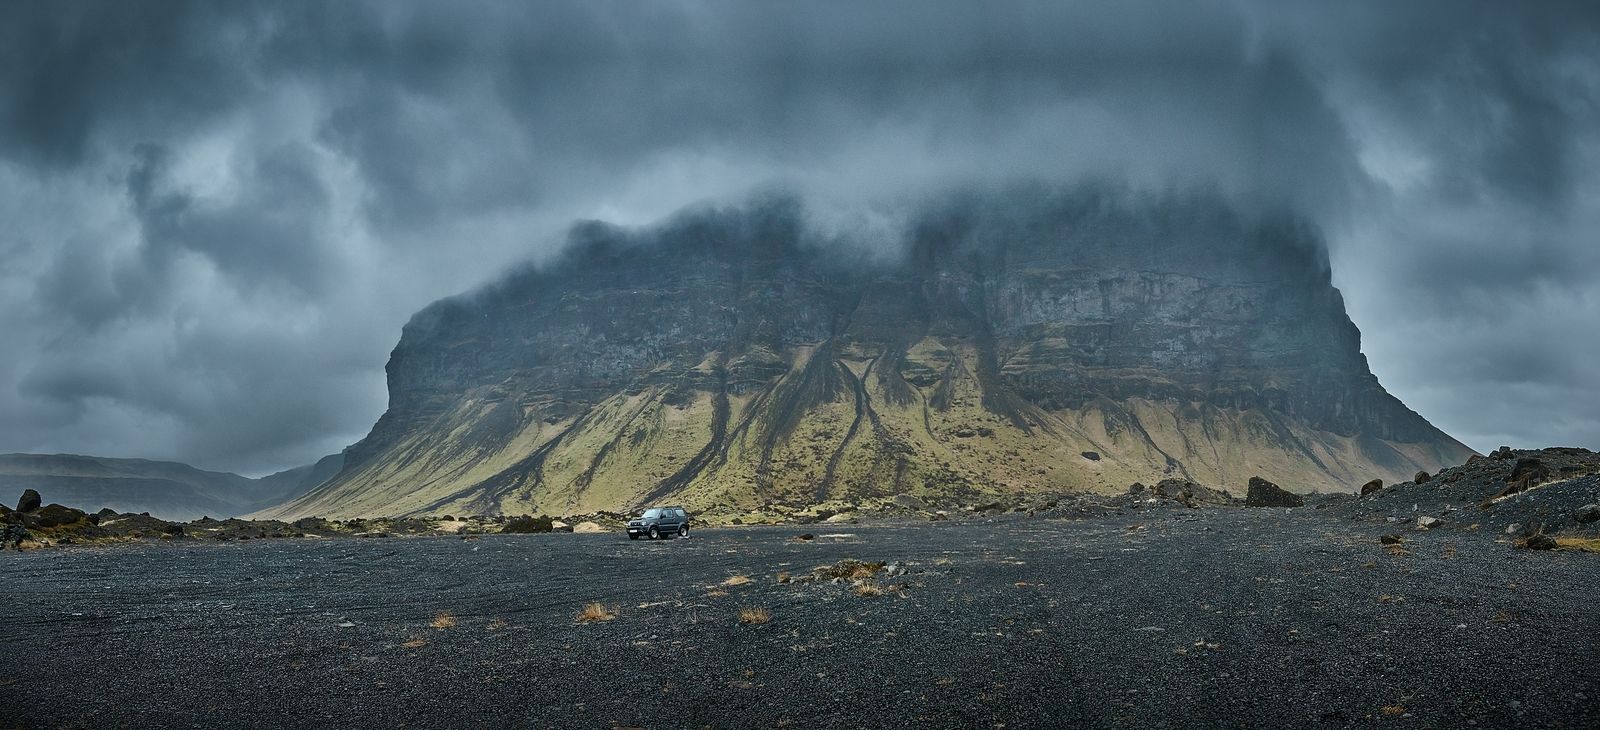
(659, 522)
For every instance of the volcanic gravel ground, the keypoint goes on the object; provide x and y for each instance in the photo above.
(1193, 618)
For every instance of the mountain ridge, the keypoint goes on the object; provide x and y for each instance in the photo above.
(166, 489)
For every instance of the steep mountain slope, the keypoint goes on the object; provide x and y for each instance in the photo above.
(165, 489)
(729, 358)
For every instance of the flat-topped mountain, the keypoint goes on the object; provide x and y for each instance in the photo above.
(1039, 340)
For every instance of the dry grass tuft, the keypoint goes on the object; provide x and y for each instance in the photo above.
(1580, 544)
(783, 577)
(443, 621)
(849, 569)
(1393, 710)
(595, 612)
(716, 593)
(737, 580)
(415, 642)
(754, 615)
(868, 589)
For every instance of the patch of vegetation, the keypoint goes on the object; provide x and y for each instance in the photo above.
(754, 615)
(737, 580)
(443, 621)
(595, 611)
(849, 569)
(1580, 544)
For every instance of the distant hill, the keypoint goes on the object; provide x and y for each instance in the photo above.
(165, 489)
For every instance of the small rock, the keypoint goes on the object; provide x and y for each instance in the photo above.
(1390, 540)
(805, 536)
(1428, 523)
(1091, 455)
(1587, 513)
(1372, 487)
(1513, 528)
(1422, 477)
(30, 501)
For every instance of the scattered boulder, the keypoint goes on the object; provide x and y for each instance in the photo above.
(1091, 455)
(588, 528)
(805, 536)
(1428, 523)
(559, 526)
(1587, 513)
(1372, 487)
(1390, 540)
(1504, 452)
(1266, 494)
(839, 518)
(1136, 488)
(30, 501)
(939, 516)
(1422, 477)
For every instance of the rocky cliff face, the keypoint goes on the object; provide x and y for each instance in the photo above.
(1044, 340)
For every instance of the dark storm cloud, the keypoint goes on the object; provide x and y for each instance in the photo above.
(220, 214)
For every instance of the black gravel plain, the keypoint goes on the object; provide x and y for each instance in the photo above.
(1190, 618)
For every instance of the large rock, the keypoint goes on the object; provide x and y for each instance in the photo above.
(588, 528)
(1587, 513)
(1422, 477)
(55, 515)
(1372, 487)
(30, 501)
(528, 525)
(1266, 494)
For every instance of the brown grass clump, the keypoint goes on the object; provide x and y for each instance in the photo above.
(1580, 544)
(1393, 710)
(443, 621)
(716, 593)
(754, 615)
(595, 612)
(783, 577)
(414, 643)
(737, 580)
(849, 569)
(868, 589)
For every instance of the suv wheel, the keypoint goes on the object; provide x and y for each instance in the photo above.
(683, 531)
(655, 533)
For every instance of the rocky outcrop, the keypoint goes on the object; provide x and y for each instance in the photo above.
(733, 358)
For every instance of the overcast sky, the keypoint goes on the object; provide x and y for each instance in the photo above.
(215, 217)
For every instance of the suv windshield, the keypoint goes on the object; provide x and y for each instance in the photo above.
(650, 513)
